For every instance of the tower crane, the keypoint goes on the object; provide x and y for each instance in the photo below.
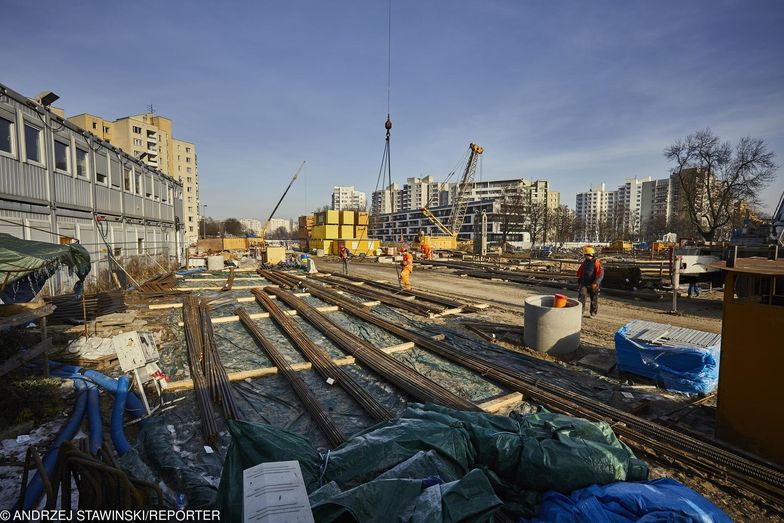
(448, 237)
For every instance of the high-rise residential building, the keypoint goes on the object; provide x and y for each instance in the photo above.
(386, 200)
(593, 209)
(149, 138)
(277, 223)
(627, 208)
(655, 208)
(348, 198)
(251, 224)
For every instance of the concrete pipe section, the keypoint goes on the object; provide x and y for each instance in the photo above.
(555, 331)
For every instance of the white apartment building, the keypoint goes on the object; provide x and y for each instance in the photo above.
(628, 203)
(387, 200)
(591, 208)
(347, 197)
(277, 223)
(251, 224)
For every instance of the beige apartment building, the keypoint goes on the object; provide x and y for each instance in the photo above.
(149, 138)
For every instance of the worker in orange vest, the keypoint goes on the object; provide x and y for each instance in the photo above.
(408, 266)
(345, 258)
(589, 277)
(427, 252)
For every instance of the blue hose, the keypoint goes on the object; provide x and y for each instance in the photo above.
(35, 487)
(94, 421)
(117, 431)
(133, 403)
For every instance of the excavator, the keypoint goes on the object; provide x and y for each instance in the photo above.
(447, 240)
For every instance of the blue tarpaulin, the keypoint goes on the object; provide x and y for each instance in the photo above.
(661, 500)
(690, 370)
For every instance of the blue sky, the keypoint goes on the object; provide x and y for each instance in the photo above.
(575, 92)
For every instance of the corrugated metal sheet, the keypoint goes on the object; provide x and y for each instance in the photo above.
(669, 335)
(23, 179)
(132, 205)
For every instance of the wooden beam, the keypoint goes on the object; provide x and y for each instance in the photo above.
(244, 299)
(259, 279)
(20, 358)
(496, 404)
(261, 315)
(263, 372)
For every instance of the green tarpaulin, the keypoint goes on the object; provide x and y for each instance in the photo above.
(437, 463)
(25, 265)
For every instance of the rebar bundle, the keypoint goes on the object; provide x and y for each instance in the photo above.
(401, 375)
(320, 416)
(321, 361)
(195, 346)
(213, 369)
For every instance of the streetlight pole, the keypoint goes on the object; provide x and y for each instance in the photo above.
(204, 222)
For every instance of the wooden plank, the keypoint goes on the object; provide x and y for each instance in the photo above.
(26, 317)
(499, 403)
(244, 299)
(292, 312)
(263, 372)
(20, 358)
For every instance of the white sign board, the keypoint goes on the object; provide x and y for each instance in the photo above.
(275, 492)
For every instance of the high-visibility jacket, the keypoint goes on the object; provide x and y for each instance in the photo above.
(408, 261)
(590, 271)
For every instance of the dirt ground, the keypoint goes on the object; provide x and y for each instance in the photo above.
(506, 302)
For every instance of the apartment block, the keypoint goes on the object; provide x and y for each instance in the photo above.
(149, 138)
(59, 182)
(348, 198)
(251, 224)
(592, 211)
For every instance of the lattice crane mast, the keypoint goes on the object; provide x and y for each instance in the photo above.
(448, 238)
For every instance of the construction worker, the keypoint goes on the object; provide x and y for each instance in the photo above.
(589, 277)
(427, 251)
(345, 257)
(408, 266)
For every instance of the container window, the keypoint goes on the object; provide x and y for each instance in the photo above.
(33, 143)
(6, 136)
(61, 156)
(81, 163)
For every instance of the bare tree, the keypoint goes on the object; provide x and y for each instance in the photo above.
(714, 176)
(537, 221)
(512, 212)
(564, 222)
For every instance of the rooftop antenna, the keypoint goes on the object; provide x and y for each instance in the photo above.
(150, 109)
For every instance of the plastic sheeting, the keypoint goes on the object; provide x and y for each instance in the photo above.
(689, 370)
(518, 457)
(660, 500)
(25, 265)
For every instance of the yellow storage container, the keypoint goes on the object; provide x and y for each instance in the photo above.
(346, 217)
(235, 244)
(332, 217)
(274, 255)
(361, 232)
(346, 232)
(331, 232)
(318, 232)
(362, 218)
